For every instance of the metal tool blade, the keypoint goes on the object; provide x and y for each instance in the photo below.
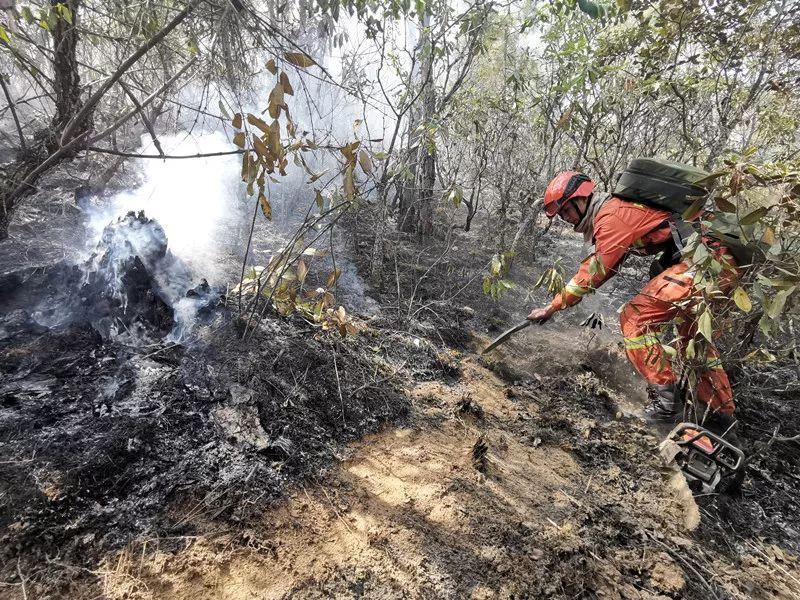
(504, 336)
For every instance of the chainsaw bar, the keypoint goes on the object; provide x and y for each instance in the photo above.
(505, 335)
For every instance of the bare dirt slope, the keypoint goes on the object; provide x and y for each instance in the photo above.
(520, 485)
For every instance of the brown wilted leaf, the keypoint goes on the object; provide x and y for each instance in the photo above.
(266, 207)
(302, 271)
(365, 162)
(238, 139)
(276, 101)
(274, 139)
(349, 185)
(287, 87)
(725, 205)
(237, 121)
(299, 59)
(256, 122)
(259, 146)
(332, 278)
(349, 151)
(271, 66)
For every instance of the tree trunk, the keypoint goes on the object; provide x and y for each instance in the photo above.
(407, 205)
(426, 152)
(378, 252)
(66, 79)
(531, 214)
(66, 82)
(416, 201)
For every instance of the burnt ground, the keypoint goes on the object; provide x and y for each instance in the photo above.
(114, 424)
(102, 443)
(221, 469)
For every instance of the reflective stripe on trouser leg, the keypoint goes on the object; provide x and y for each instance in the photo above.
(644, 319)
(713, 387)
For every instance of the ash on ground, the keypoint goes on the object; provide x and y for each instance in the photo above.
(105, 440)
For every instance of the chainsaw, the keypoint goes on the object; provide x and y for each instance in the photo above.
(706, 459)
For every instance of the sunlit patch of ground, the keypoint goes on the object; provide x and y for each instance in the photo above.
(407, 514)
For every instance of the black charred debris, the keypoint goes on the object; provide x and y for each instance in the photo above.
(113, 428)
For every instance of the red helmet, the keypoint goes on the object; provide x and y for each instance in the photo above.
(563, 188)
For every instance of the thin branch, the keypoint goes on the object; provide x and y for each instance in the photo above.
(53, 158)
(119, 122)
(145, 120)
(171, 156)
(98, 95)
(13, 111)
(22, 581)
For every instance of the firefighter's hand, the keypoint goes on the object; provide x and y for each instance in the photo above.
(540, 315)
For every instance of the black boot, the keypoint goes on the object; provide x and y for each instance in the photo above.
(665, 405)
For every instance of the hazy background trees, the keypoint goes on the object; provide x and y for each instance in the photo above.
(452, 115)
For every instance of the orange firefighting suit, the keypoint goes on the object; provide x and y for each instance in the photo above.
(620, 228)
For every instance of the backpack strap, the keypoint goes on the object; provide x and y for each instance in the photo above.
(681, 232)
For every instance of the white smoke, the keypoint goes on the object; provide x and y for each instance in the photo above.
(197, 201)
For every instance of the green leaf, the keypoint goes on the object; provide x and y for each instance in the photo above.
(299, 59)
(596, 266)
(754, 216)
(4, 36)
(456, 196)
(742, 300)
(65, 12)
(778, 303)
(593, 9)
(704, 325)
(694, 208)
(669, 350)
(27, 15)
(766, 325)
(496, 265)
(700, 255)
(223, 111)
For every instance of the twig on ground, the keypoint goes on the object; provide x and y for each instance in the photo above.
(775, 438)
(339, 385)
(22, 581)
(336, 512)
(677, 556)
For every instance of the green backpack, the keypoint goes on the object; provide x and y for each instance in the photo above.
(662, 184)
(679, 189)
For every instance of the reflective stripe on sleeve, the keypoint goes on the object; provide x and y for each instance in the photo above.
(643, 341)
(576, 290)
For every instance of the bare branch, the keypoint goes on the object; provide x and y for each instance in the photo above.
(13, 111)
(145, 120)
(131, 60)
(170, 156)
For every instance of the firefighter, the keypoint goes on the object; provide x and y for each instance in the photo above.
(617, 228)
